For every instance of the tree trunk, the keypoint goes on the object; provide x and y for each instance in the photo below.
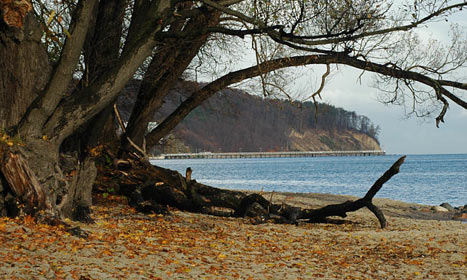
(167, 65)
(42, 180)
(22, 75)
(33, 175)
(101, 54)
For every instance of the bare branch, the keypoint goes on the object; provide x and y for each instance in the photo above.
(323, 81)
(304, 39)
(62, 73)
(142, 151)
(119, 119)
(330, 38)
(318, 92)
(337, 58)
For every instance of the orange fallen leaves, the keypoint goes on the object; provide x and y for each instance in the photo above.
(195, 246)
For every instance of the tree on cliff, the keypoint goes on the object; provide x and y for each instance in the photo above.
(51, 124)
(233, 120)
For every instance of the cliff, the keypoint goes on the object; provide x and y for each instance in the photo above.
(234, 120)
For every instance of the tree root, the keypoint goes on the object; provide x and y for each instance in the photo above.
(160, 187)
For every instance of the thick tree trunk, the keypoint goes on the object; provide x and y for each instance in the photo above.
(166, 67)
(101, 55)
(42, 180)
(33, 172)
(33, 175)
(22, 75)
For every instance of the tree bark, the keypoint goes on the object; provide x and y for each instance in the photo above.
(23, 182)
(40, 180)
(167, 65)
(57, 86)
(22, 76)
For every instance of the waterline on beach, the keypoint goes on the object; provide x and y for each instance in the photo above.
(424, 179)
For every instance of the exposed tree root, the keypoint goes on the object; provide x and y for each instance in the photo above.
(151, 189)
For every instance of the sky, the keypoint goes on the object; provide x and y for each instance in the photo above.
(399, 134)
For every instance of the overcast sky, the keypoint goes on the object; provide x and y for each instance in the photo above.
(398, 134)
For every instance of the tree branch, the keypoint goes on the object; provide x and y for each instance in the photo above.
(62, 74)
(333, 38)
(336, 58)
(166, 66)
(200, 31)
(311, 40)
(393, 170)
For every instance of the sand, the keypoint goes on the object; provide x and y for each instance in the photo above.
(122, 244)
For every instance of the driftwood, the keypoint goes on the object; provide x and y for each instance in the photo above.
(159, 187)
(292, 214)
(349, 206)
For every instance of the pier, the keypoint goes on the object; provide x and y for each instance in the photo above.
(209, 155)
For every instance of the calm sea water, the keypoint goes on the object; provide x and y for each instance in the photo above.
(425, 179)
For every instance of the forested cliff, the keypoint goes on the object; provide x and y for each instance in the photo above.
(234, 120)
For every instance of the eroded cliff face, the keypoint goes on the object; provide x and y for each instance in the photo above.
(323, 140)
(309, 140)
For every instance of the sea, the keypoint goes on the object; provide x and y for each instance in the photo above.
(425, 179)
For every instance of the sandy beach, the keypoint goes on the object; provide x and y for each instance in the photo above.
(122, 244)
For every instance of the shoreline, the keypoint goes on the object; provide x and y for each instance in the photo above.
(415, 183)
(390, 207)
(124, 244)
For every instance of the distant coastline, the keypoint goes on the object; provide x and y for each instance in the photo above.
(423, 179)
(206, 155)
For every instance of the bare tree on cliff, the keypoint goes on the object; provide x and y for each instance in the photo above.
(50, 124)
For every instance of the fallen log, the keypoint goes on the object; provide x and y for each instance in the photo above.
(160, 187)
(349, 206)
(289, 214)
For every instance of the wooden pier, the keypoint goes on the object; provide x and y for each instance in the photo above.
(208, 155)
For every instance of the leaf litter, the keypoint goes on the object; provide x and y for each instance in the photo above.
(123, 244)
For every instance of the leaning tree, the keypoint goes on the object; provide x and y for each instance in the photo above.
(63, 65)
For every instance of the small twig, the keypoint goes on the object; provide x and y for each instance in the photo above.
(137, 148)
(119, 161)
(124, 173)
(119, 118)
(270, 198)
(323, 82)
(321, 86)
(270, 201)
